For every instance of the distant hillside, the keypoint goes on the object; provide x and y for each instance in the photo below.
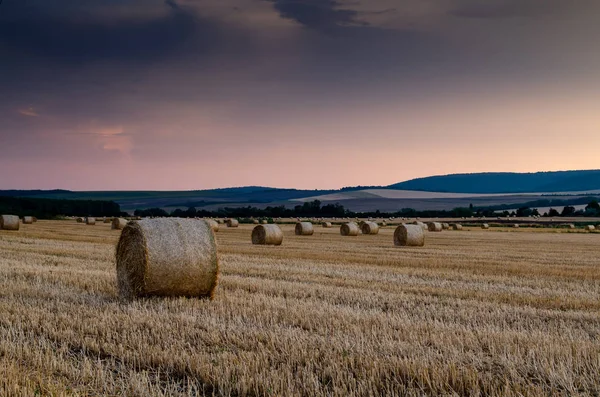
(506, 182)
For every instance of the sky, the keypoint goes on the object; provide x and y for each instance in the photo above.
(198, 94)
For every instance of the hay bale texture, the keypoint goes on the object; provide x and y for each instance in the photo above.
(9, 222)
(409, 236)
(27, 220)
(267, 235)
(214, 225)
(485, 226)
(167, 257)
(423, 225)
(90, 221)
(445, 226)
(255, 221)
(349, 229)
(109, 220)
(327, 224)
(455, 226)
(304, 229)
(369, 228)
(590, 228)
(434, 227)
(80, 220)
(264, 222)
(232, 223)
(118, 223)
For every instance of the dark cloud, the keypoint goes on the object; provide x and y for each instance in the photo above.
(508, 9)
(316, 14)
(77, 39)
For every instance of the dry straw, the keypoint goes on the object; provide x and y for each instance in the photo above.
(80, 220)
(264, 222)
(167, 257)
(455, 226)
(571, 226)
(485, 226)
(326, 224)
(434, 227)
(590, 228)
(304, 229)
(255, 221)
(213, 224)
(349, 229)
(445, 226)
(267, 235)
(118, 223)
(109, 220)
(409, 236)
(9, 222)
(232, 223)
(369, 228)
(27, 220)
(34, 219)
(90, 221)
(516, 225)
(423, 225)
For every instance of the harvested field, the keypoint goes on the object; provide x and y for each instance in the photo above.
(499, 312)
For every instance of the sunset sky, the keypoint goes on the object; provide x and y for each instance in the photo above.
(196, 94)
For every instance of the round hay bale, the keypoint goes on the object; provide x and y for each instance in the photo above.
(9, 222)
(369, 228)
(349, 229)
(79, 220)
(108, 220)
(571, 226)
(232, 223)
(516, 225)
(445, 226)
(255, 221)
(423, 226)
(90, 221)
(455, 226)
(220, 221)
(383, 224)
(213, 224)
(434, 227)
(167, 257)
(118, 223)
(304, 229)
(267, 235)
(34, 219)
(326, 224)
(409, 236)
(264, 222)
(27, 220)
(485, 226)
(590, 228)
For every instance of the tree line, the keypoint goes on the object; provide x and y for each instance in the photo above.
(53, 208)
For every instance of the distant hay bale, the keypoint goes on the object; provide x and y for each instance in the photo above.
(9, 222)
(455, 226)
(383, 224)
(255, 221)
(590, 228)
(445, 226)
(34, 219)
(516, 225)
(571, 226)
(485, 226)
(167, 257)
(90, 221)
(118, 223)
(423, 225)
(434, 227)
(304, 229)
(213, 224)
(326, 224)
(369, 228)
(409, 236)
(27, 220)
(108, 220)
(232, 223)
(80, 220)
(267, 235)
(349, 229)
(220, 221)
(264, 222)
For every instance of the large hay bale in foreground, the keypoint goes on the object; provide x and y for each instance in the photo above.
(485, 226)
(455, 226)
(232, 223)
(327, 224)
(267, 235)
(90, 221)
(590, 228)
(304, 229)
(369, 228)
(349, 229)
(434, 227)
(409, 236)
(167, 257)
(213, 224)
(9, 222)
(118, 223)
(27, 220)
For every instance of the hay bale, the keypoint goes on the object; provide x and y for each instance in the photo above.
(423, 226)
(34, 219)
(27, 220)
(434, 227)
(571, 226)
(590, 228)
(167, 257)
(213, 224)
(326, 224)
(369, 228)
(349, 229)
(485, 226)
(118, 223)
(516, 225)
(267, 235)
(80, 220)
(109, 220)
(90, 221)
(455, 226)
(264, 222)
(383, 224)
(220, 221)
(409, 236)
(232, 223)
(9, 222)
(445, 226)
(255, 221)
(304, 229)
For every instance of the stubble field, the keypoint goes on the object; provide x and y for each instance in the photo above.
(497, 312)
